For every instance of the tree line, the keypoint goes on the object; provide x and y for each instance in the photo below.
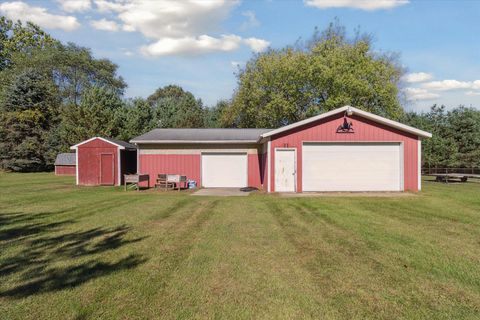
(456, 136)
(54, 95)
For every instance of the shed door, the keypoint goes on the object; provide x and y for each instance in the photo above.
(351, 167)
(224, 170)
(107, 176)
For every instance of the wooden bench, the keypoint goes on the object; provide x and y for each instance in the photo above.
(170, 181)
(135, 179)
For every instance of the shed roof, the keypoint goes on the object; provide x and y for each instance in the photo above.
(65, 159)
(201, 135)
(122, 143)
(118, 143)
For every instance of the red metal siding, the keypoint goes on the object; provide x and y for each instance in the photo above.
(365, 131)
(190, 166)
(254, 170)
(184, 164)
(89, 161)
(65, 170)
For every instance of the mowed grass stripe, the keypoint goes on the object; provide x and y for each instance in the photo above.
(101, 253)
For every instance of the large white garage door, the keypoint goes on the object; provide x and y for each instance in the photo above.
(351, 167)
(224, 170)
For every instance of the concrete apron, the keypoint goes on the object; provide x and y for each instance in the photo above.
(381, 194)
(220, 192)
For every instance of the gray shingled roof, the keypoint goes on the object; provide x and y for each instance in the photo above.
(65, 159)
(200, 135)
(122, 143)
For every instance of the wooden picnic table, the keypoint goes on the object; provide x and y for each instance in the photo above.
(135, 179)
(462, 177)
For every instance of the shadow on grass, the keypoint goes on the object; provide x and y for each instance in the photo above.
(60, 278)
(37, 246)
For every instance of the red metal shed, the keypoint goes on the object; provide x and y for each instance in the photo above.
(103, 161)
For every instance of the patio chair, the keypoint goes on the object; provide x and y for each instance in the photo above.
(162, 182)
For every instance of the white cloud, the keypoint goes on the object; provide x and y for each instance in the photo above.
(201, 45)
(104, 24)
(420, 94)
(128, 28)
(128, 53)
(19, 10)
(109, 6)
(171, 19)
(257, 45)
(75, 5)
(251, 21)
(446, 85)
(368, 5)
(472, 93)
(417, 77)
(180, 27)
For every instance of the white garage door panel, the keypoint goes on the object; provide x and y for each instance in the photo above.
(352, 167)
(223, 170)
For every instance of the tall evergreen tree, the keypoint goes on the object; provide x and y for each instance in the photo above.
(28, 111)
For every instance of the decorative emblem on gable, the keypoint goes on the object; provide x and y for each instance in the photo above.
(345, 127)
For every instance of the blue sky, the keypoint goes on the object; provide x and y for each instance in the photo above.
(199, 44)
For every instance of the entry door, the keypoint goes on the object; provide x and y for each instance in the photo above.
(107, 176)
(224, 170)
(285, 170)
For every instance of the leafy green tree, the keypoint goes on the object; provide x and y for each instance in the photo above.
(282, 86)
(28, 111)
(17, 37)
(73, 69)
(176, 108)
(214, 116)
(136, 117)
(96, 115)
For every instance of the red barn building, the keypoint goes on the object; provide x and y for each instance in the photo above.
(65, 164)
(103, 161)
(346, 149)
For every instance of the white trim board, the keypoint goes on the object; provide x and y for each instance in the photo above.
(269, 166)
(75, 147)
(119, 170)
(419, 160)
(76, 168)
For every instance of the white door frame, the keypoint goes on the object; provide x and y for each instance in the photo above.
(221, 152)
(294, 149)
(400, 143)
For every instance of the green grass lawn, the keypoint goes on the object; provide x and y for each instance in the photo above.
(100, 253)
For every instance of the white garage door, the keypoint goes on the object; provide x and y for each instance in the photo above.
(351, 167)
(224, 170)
